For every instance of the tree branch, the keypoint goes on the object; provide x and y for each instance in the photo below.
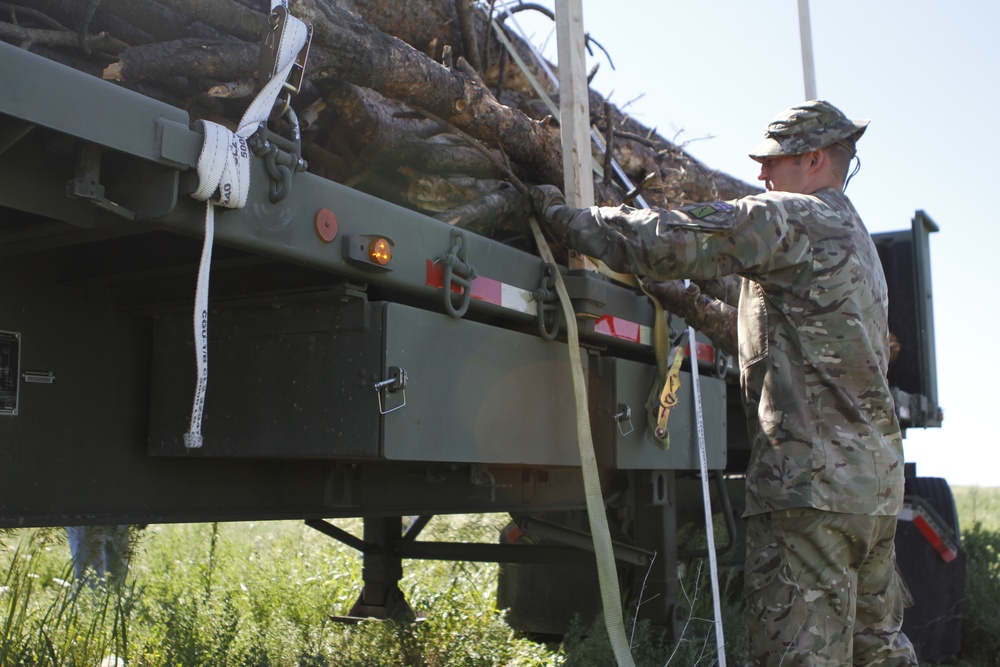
(371, 59)
(27, 36)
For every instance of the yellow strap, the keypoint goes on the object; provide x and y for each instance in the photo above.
(668, 397)
(607, 574)
(669, 368)
(625, 278)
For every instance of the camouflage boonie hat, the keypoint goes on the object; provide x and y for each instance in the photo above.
(807, 127)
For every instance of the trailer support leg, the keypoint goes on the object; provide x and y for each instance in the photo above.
(382, 568)
(658, 586)
(381, 571)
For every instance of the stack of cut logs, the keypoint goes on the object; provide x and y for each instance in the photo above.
(416, 102)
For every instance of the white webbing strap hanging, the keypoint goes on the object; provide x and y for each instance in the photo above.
(224, 180)
(713, 564)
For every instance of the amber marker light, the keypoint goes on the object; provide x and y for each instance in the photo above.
(380, 251)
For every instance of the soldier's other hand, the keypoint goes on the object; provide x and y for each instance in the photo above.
(895, 347)
(686, 302)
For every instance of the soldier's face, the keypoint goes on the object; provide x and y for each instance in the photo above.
(784, 173)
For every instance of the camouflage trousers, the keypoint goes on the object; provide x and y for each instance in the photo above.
(823, 589)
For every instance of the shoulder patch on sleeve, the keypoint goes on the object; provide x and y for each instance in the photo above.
(702, 211)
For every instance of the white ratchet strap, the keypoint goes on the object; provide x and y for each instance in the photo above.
(224, 180)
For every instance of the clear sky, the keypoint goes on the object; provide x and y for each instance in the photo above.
(713, 73)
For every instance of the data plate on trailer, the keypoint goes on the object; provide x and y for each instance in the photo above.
(10, 363)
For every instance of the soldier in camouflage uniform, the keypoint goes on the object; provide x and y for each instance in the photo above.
(825, 478)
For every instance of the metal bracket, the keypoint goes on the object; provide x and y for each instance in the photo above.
(281, 157)
(723, 363)
(395, 382)
(86, 182)
(481, 476)
(457, 271)
(624, 553)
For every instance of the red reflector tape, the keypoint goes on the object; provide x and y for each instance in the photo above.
(486, 290)
(501, 294)
(706, 352)
(616, 327)
(946, 551)
(930, 530)
(512, 533)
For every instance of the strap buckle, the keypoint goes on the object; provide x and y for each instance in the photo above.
(668, 395)
(267, 65)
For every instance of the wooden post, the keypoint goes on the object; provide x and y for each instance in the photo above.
(574, 112)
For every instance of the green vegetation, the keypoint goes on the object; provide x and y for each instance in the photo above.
(242, 594)
(261, 594)
(981, 621)
(979, 516)
(977, 505)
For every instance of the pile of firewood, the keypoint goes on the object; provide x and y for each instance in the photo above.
(417, 102)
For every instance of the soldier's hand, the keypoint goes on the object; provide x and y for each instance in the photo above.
(553, 213)
(546, 197)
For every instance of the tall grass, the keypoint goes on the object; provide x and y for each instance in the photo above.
(694, 643)
(262, 594)
(977, 505)
(246, 594)
(46, 618)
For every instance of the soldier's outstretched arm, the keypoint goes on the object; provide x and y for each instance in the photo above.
(755, 234)
(584, 230)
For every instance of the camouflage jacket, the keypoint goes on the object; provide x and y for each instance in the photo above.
(812, 334)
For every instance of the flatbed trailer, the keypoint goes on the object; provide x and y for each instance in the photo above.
(344, 381)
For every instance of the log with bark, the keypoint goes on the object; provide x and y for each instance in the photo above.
(418, 102)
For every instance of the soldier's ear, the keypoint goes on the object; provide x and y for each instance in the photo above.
(816, 160)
